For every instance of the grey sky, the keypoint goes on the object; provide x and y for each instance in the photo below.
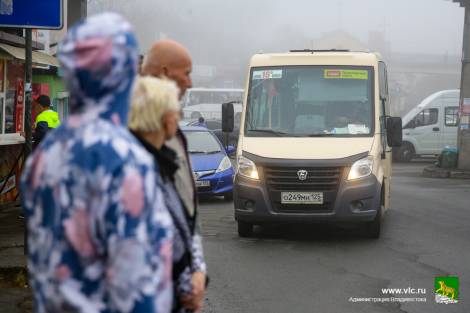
(410, 25)
(420, 26)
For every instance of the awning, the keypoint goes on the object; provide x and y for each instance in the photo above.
(39, 58)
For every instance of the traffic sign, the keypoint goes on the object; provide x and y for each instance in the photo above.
(45, 14)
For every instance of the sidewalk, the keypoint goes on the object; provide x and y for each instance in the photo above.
(14, 295)
(433, 171)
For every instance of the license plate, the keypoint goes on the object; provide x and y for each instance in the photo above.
(203, 183)
(302, 197)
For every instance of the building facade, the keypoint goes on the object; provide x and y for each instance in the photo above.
(12, 107)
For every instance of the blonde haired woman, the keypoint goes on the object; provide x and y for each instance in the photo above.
(154, 117)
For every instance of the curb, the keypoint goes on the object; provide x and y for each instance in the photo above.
(437, 172)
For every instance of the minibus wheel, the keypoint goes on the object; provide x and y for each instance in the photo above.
(406, 152)
(373, 228)
(245, 229)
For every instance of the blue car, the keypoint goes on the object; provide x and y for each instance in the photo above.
(212, 168)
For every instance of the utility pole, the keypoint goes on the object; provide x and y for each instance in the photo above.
(464, 120)
(28, 90)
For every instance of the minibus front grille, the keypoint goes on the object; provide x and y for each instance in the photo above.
(318, 179)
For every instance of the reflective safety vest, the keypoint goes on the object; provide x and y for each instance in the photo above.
(50, 117)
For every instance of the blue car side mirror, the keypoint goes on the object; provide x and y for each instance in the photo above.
(230, 149)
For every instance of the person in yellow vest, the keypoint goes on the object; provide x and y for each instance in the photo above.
(46, 119)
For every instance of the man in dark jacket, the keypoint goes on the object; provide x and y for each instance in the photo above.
(169, 59)
(46, 119)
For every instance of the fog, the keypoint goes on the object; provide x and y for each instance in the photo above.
(421, 40)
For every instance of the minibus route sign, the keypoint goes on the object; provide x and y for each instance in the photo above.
(346, 74)
(267, 74)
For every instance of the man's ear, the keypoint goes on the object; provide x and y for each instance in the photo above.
(166, 72)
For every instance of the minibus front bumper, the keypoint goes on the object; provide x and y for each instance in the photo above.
(259, 201)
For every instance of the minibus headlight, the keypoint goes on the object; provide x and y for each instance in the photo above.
(224, 165)
(247, 168)
(361, 168)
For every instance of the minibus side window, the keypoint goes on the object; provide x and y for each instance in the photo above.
(383, 86)
(426, 117)
(451, 118)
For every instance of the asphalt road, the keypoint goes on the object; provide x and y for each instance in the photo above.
(318, 269)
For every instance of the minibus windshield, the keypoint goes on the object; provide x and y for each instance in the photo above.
(309, 101)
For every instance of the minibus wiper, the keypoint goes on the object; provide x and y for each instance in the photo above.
(203, 152)
(269, 131)
(196, 151)
(319, 135)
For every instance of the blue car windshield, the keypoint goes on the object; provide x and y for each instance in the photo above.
(202, 142)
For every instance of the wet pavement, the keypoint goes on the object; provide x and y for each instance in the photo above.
(320, 268)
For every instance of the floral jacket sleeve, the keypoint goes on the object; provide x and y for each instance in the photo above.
(199, 264)
(139, 242)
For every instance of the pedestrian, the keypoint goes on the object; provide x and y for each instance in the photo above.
(169, 59)
(99, 234)
(201, 122)
(141, 61)
(46, 119)
(154, 117)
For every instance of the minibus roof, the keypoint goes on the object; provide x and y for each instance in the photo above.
(312, 57)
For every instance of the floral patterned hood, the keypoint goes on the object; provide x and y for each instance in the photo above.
(99, 59)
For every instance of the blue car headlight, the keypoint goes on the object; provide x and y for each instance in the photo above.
(224, 165)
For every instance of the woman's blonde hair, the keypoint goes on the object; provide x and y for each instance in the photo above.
(152, 98)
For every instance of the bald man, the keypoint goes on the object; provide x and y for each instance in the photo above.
(169, 59)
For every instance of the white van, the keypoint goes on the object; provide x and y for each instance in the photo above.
(315, 140)
(207, 102)
(430, 126)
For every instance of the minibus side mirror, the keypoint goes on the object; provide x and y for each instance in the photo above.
(228, 119)
(394, 132)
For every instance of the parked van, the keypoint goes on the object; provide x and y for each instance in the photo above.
(315, 140)
(430, 126)
(207, 102)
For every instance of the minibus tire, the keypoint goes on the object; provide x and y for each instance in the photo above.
(245, 229)
(406, 152)
(373, 228)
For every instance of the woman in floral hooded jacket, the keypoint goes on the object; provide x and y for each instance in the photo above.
(99, 234)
